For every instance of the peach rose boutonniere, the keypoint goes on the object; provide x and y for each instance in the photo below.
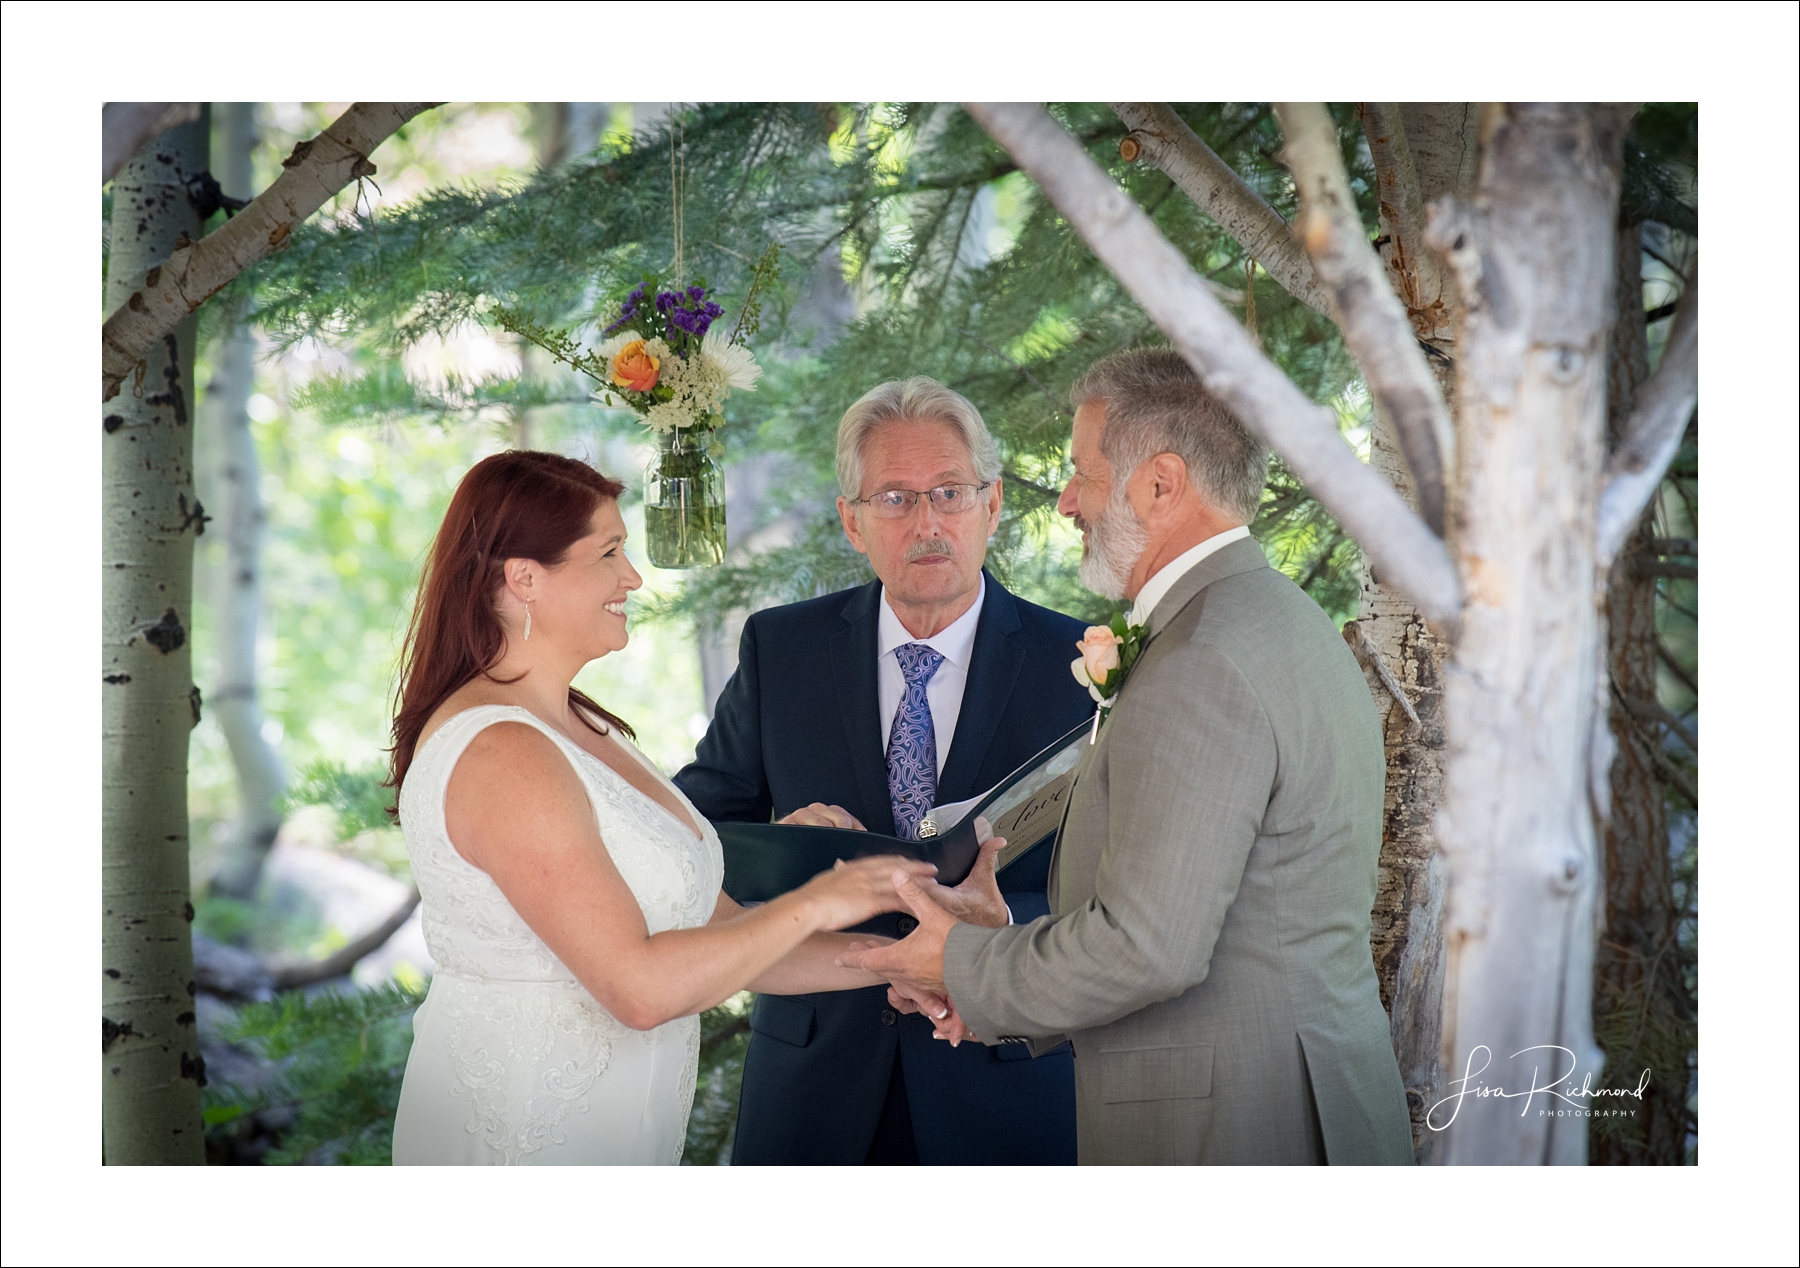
(1107, 654)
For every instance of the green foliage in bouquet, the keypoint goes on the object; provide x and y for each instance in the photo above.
(340, 1061)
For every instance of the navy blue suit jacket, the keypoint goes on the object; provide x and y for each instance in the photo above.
(799, 722)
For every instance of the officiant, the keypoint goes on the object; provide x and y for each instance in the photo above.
(866, 708)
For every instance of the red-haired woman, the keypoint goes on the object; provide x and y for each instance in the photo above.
(571, 893)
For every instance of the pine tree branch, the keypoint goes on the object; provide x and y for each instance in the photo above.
(1373, 320)
(1655, 429)
(1400, 545)
(316, 170)
(1159, 137)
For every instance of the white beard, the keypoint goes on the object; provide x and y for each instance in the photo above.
(1114, 542)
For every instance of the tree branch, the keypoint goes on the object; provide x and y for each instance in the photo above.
(285, 977)
(1373, 320)
(1159, 137)
(1371, 658)
(316, 170)
(1654, 431)
(1403, 550)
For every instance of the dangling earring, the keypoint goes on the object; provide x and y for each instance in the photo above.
(527, 621)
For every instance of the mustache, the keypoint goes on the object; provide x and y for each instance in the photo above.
(930, 546)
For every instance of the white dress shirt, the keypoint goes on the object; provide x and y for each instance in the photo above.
(955, 643)
(1166, 576)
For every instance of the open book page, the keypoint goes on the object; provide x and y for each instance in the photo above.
(1026, 805)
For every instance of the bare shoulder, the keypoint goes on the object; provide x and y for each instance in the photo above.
(471, 695)
(514, 794)
(509, 754)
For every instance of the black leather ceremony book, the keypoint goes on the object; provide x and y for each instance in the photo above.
(763, 860)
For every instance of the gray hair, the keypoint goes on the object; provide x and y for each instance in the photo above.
(1155, 403)
(911, 400)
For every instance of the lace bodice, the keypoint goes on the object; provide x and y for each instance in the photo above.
(471, 929)
(513, 1060)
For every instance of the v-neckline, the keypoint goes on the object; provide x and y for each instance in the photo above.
(645, 766)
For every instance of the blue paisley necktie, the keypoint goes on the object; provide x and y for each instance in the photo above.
(912, 744)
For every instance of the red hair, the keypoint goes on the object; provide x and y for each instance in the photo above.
(514, 505)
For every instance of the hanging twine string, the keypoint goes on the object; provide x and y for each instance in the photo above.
(677, 194)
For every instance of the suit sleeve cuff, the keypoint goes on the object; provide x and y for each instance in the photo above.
(961, 949)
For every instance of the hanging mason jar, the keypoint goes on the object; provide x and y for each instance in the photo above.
(684, 501)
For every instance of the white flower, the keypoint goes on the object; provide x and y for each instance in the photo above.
(670, 415)
(736, 364)
(614, 346)
(1078, 667)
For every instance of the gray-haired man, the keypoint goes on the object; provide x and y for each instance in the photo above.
(1209, 948)
(925, 687)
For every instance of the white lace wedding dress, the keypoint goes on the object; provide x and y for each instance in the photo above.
(513, 1061)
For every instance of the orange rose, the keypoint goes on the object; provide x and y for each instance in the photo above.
(1099, 649)
(635, 368)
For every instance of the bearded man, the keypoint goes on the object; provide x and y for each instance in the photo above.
(925, 687)
(1208, 951)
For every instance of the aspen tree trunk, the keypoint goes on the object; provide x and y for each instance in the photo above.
(237, 598)
(1527, 766)
(1642, 1011)
(1407, 930)
(151, 1070)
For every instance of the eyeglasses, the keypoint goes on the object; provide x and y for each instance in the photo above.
(946, 499)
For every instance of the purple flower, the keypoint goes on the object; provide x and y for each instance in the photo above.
(696, 292)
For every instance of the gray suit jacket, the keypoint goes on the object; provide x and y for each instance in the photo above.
(1208, 951)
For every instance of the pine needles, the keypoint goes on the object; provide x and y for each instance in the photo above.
(340, 1060)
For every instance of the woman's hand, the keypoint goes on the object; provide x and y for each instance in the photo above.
(820, 815)
(854, 892)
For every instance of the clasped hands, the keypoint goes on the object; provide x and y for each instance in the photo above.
(914, 966)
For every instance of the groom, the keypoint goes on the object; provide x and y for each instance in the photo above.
(1209, 952)
(868, 707)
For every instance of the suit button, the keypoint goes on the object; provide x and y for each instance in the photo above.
(887, 1016)
(907, 925)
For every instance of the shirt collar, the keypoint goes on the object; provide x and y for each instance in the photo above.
(955, 642)
(1178, 567)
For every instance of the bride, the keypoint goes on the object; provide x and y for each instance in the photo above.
(571, 893)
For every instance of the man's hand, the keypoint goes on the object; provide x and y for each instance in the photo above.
(947, 1023)
(977, 900)
(820, 815)
(916, 962)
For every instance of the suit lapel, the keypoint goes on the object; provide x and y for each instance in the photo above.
(852, 652)
(1240, 556)
(994, 664)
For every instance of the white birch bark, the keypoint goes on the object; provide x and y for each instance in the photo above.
(1533, 255)
(126, 125)
(1403, 549)
(1419, 276)
(151, 1070)
(235, 488)
(1408, 934)
(1159, 137)
(169, 289)
(1373, 320)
